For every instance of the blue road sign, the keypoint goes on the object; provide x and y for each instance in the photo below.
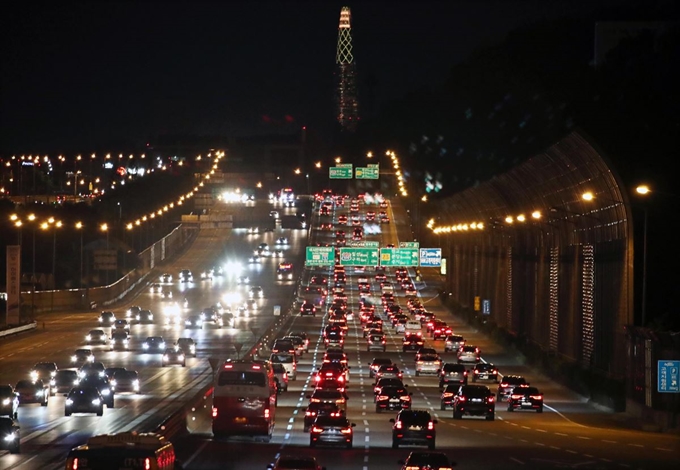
(430, 257)
(486, 307)
(668, 377)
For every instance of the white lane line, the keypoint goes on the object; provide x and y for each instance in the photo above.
(516, 460)
(663, 449)
(554, 447)
(539, 444)
(365, 458)
(609, 442)
(367, 438)
(583, 437)
(605, 460)
(541, 430)
(564, 417)
(561, 434)
(571, 451)
(526, 427)
(588, 455)
(195, 454)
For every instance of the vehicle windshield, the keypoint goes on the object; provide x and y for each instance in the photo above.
(234, 377)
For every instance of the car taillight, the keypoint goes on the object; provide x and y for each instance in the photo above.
(461, 398)
(491, 399)
(503, 384)
(477, 350)
(214, 412)
(536, 397)
(516, 397)
(147, 463)
(310, 413)
(430, 426)
(382, 397)
(74, 464)
(405, 398)
(465, 373)
(317, 429)
(399, 425)
(346, 430)
(447, 394)
(266, 414)
(341, 379)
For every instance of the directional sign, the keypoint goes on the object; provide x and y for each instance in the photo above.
(320, 256)
(367, 173)
(363, 244)
(358, 256)
(373, 165)
(344, 165)
(430, 257)
(668, 375)
(409, 245)
(399, 256)
(340, 172)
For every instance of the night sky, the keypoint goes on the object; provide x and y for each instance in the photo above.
(79, 75)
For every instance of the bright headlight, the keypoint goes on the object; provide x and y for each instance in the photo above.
(101, 319)
(10, 437)
(161, 345)
(165, 357)
(53, 373)
(113, 383)
(69, 402)
(180, 357)
(6, 401)
(39, 393)
(135, 383)
(34, 375)
(88, 337)
(90, 358)
(145, 346)
(125, 342)
(106, 391)
(192, 349)
(96, 401)
(53, 383)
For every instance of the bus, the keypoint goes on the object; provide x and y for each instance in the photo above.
(128, 450)
(244, 399)
(286, 196)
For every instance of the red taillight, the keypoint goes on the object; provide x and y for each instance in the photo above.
(465, 373)
(266, 414)
(317, 429)
(74, 465)
(461, 398)
(346, 430)
(399, 425)
(536, 397)
(447, 395)
(477, 350)
(405, 398)
(503, 384)
(430, 426)
(516, 397)
(317, 378)
(383, 397)
(214, 412)
(310, 413)
(492, 399)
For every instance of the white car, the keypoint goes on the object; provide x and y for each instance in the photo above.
(454, 343)
(428, 364)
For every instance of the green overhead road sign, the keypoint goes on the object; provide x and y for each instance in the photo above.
(320, 256)
(367, 173)
(399, 257)
(373, 165)
(340, 172)
(409, 245)
(359, 256)
(344, 165)
(363, 244)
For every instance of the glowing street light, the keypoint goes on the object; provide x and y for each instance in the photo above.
(588, 196)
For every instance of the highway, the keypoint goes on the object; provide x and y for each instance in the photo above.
(569, 434)
(47, 435)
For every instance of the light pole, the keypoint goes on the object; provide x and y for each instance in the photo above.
(31, 217)
(105, 228)
(644, 190)
(79, 227)
(46, 226)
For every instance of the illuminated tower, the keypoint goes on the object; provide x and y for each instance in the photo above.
(346, 91)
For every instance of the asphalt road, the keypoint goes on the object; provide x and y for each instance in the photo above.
(47, 435)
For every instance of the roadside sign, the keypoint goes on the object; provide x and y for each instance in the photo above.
(367, 173)
(668, 376)
(277, 310)
(340, 172)
(486, 307)
(358, 256)
(430, 257)
(363, 244)
(399, 257)
(409, 245)
(319, 256)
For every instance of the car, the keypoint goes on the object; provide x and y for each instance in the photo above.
(32, 391)
(284, 272)
(256, 292)
(255, 259)
(132, 311)
(193, 321)
(332, 429)
(411, 342)
(122, 324)
(474, 400)
(111, 371)
(288, 360)
(126, 381)
(414, 427)
(428, 364)
(298, 342)
(380, 277)
(426, 461)
(92, 368)
(282, 241)
(173, 356)
(283, 346)
(447, 396)
(84, 399)
(102, 384)
(188, 345)
(425, 352)
(307, 308)
(468, 353)
(526, 398)
(392, 398)
(304, 336)
(185, 275)
(96, 337)
(153, 344)
(452, 373)
(10, 438)
(280, 377)
(278, 253)
(484, 371)
(9, 401)
(243, 280)
(440, 331)
(156, 288)
(508, 384)
(317, 409)
(82, 356)
(166, 278)
(274, 214)
(334, 338)
(297, 462)
(217, 270)
(376, 342)
(376, 363)
(388, 370)
(336, 397)
(120, 340)
(144, 317)
(253, 230)
(453, 343)
(106, 318)
(166, 294)
(207, 275)
(64, 381)
(44, 371)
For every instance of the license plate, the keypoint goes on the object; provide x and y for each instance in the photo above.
(415, 428)
(483, 376)
(240, 420)
(394, 400)
(476, 400)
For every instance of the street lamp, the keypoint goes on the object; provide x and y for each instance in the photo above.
(32, 217)
(47, 226)
(644, 190)
(105, 228)
(79, 227)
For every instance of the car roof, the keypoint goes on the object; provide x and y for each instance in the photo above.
(414, 414)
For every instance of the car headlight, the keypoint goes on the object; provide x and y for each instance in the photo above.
(101, 319)
(76, 382)
(106, 392)
(53, 383)
(125, 342)
(161, 345)
(165, 357)
(69, 402)
(114, 383)
(138, 317)
(88, 337)
(135, 383)
(180, 357)
(192, 349)
(11, 436)
(90, 358)
(145, 346)
(187, 322)
(96, 401)
(39, 393)
(34, 375)
(6, 401)
(101, 374)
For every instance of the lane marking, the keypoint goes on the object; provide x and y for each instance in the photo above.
(516, 460)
